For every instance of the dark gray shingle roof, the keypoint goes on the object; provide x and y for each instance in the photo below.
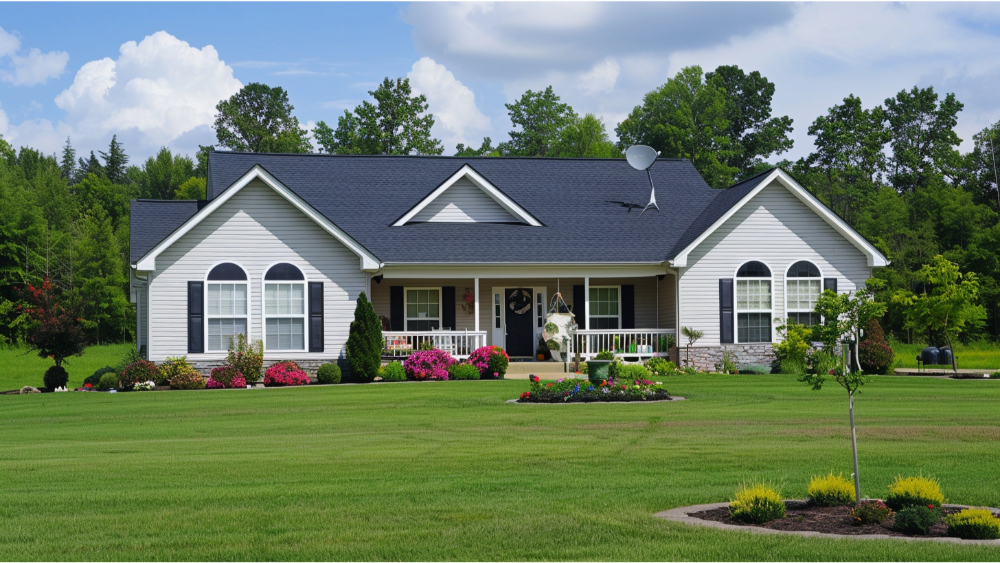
(364, 195)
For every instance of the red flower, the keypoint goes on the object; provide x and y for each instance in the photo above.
(549, 385)
(88, 386)
(931, 506)
(624, 387)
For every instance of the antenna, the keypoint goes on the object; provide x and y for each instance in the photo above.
(642, 157)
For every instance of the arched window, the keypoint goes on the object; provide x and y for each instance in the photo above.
(753, 303)
(225, 305)
(284, 308)
(803, 286)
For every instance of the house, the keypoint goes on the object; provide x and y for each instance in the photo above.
(471, 251)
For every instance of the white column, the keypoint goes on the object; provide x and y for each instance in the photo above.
(586, 303)
(476, 313)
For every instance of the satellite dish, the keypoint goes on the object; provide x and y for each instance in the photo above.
(641, 157)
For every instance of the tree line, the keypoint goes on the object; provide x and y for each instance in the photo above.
(892, 171)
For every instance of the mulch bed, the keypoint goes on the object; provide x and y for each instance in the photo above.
(801, 517)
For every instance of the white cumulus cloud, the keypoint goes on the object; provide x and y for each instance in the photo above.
(33, 68)
(456, 115)
(602, 77)
(158, 92)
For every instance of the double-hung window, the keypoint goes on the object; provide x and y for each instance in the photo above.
(605, 307)
(284, 308)
(803, 285)
(226, 306)
(423, 309)
(753, 303)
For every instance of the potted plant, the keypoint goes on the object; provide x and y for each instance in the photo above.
(541, 350)
(553, 347)
(597, 368)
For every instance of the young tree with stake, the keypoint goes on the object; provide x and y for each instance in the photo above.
(843, 318)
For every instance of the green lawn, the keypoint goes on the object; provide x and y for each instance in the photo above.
(20, 367)
(975, 355)
(429, 471)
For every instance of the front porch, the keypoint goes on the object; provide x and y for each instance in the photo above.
(632, 316)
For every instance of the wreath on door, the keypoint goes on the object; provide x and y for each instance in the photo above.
(520, 301)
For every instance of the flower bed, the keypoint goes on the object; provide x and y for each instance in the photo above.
(584, 391)
(284, 374)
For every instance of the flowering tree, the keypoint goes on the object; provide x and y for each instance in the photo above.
(55, 327)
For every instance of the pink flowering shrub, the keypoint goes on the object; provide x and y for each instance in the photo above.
(285, 373)
(213, 384)
(428, 364)
(226, 374)
(238, 382)
(491, 361)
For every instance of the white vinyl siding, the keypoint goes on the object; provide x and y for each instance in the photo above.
(778, 230)
(464, 202)
(256, 229)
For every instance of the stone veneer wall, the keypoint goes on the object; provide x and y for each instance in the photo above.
(707, 358)
(309, 366)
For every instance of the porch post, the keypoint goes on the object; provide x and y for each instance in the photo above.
(586, 303)
(476, 313)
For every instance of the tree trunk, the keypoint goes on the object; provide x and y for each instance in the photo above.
(854, 449)
(954, 360)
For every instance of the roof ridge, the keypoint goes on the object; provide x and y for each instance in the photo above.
(438, 156)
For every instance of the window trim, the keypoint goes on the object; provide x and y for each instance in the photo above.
(207, 316)
(406, 309)
(736, 301)
(304, 282)
(595, 316)
(820, 278)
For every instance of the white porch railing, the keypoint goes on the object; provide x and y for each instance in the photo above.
(635, 343)
(458, 343)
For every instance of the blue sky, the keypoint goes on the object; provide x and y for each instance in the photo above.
(152, 72)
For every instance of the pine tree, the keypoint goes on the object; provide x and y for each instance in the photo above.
(89, 166)
(115, 162)
(68, 164)
(365, 343)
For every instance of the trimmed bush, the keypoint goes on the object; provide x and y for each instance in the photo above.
(756, 504)
(831, 490)
(917, 520)
(187, 379)
(463, 371)
(95, 378)
(365, 343)
(108, 381)
(791, 352)
(138, 372)
(227, 375)
(973, 524)
(874, 352)
(605, 355)
(870, 512)
(170, 368)
(247, 357)
(285, 373)
(55, 377)
(328, 373)
(914, 491)
(633, 372)
(428, 364)
(491, 361)
(393, 371)
(659, 366)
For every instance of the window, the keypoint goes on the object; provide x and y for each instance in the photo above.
(225, 306)
(423, 309)
(539, 310)
(803, 284)
(753, 303)
(496, 309)
(284, 308)
(604, 307)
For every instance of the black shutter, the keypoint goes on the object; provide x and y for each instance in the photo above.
(448, 307)
(316, 317)
(628, 306)
(830, 283)
(578, 308)
(726, 311)
(196, 317)
(396, 307)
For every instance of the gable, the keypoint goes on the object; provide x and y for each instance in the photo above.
(464, 202)
(467, 197)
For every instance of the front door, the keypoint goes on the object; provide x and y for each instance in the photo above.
(520, 334)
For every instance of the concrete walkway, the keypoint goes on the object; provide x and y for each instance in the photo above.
(940, 372)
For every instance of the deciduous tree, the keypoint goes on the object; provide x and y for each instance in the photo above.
(259, 118)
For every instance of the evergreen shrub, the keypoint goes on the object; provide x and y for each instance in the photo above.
(830, 490)
(393, 371)
(874, 352)
(914, 491)
(463, 371)
(917, 520)
(973, 524)
(756, 504)
(328, 373)
(365, 343)
(55, 377)
(108, 381)
(95, 378)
